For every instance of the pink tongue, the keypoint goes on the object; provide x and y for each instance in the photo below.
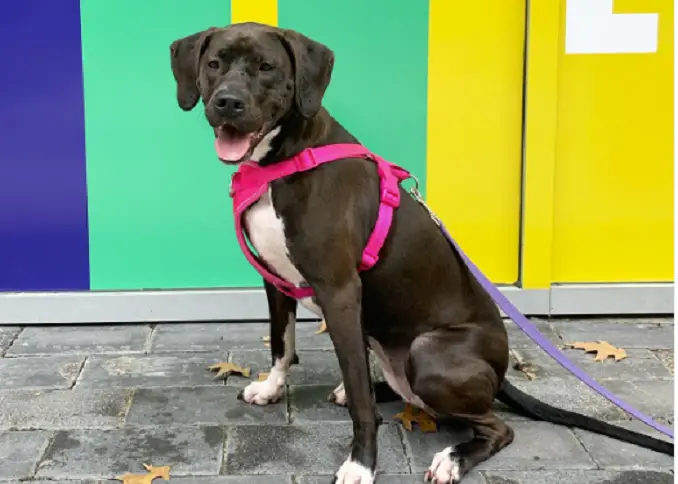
(231, 146)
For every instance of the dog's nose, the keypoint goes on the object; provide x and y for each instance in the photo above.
(229, 104)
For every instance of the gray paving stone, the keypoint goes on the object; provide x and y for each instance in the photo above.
(314, 368)
(642, 366)
(232, 480)
(20, 453)
(472, 478)
(569, 393)
(166, 370)
(7, 335)
(635, 334)
(654, 398)
(304, 449)
(63, 409)
(666, 357)
(538, 446)
(80, 340)
(518, 339)
(61, 481)
(613, 454)
(200, 406)
(39, 373)
(88, 454)
(579, 477)
(308, 403)
(227, 336)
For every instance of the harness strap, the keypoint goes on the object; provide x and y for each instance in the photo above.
(251, 181)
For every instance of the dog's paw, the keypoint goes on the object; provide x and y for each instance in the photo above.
(262, 392)
(444, 469)
(338, 396)
(352, 472)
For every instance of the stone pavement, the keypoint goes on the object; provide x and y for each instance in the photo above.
(85, 404)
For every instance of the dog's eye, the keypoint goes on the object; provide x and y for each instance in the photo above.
(265, 66)
(213, 64)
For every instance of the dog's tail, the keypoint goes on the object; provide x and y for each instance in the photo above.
(538, 410)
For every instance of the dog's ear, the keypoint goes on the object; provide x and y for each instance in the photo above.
(185, 56)
(313, 63)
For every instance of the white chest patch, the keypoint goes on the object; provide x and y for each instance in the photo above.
(267, 234)
(267, 231)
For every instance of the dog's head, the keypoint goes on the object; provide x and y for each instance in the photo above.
(250, 76)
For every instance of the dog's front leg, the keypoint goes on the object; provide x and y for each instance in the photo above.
(342, 310)
(283, 314)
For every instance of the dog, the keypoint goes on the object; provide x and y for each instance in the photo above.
(437, 334)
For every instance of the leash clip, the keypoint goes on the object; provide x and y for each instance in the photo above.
(416, 194)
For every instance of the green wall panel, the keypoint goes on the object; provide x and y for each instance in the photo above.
(159, 211)
(378, 89)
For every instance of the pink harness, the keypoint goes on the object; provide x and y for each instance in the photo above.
(251, 180)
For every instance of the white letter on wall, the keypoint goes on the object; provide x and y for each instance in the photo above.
(592, 28)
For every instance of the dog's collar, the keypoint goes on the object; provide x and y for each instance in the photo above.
(251, 180)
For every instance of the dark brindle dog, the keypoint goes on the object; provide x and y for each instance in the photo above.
(437, 334)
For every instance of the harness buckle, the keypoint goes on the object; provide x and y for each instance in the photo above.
(368, 260)
(306, 160)
(390, 197)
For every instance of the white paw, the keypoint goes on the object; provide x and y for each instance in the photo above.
(264, 392)
(338, 396)
(352, 472)
(444, 469)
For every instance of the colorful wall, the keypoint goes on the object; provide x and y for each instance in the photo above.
(550, 162)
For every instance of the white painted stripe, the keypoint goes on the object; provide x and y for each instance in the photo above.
(591, 27)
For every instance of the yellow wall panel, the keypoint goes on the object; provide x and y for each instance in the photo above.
(475, 82)
(263, 11)
(613, 200)
(541, 79)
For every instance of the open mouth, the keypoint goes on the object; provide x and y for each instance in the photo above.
(233, 146)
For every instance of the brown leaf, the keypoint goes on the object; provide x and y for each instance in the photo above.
(323, 328)
(406, 417)
(527, 369)
(425, 421)
(153, 473)
(225, 369)
(603, 350)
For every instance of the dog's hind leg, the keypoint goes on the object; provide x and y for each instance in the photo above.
(282, 311)
(453, 380)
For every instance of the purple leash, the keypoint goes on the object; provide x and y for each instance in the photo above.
(531, 330)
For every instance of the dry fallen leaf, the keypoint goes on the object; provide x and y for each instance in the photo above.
(425, 421)
(527, 369)
(153, 473)
(323, 327)
(225, 369)
(603, 350)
